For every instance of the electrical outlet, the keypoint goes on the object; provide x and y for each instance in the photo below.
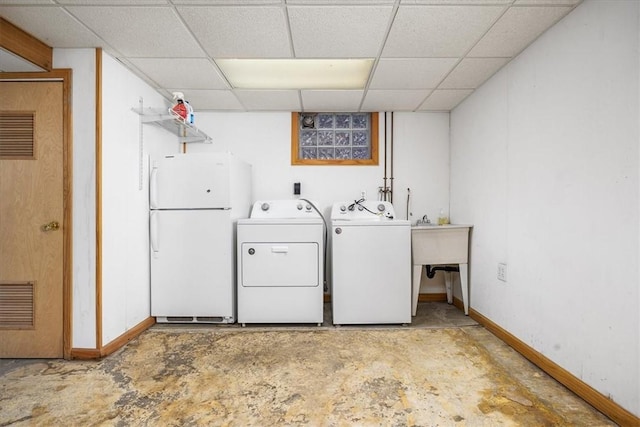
(502, 271)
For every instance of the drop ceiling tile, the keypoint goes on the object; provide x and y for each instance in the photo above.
(444, 99)
(113, 2)
(186, 73)
(438, 31)
(472, 72)
(417, 73)
(331, 100)
(25, 2)
(240, 32)
(227, 2)
(393, 100)
(338, 31)
(205, 100)
(546, 2)
(457, 2)
(51, 25)
(269, 100)
(340, 2)
(516, 29)
(140, 31)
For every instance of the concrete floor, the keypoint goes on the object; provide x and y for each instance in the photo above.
(443, 370)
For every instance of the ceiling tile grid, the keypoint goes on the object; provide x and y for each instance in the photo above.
(427, 55)
(397, 100)
(331, 100)
(417, 73)
(338, 31)
(240, 32)
(187, 73)
(139, 31)
(213, 100)
(472, 72)
(282, 100)
(517, 29)
(52, 25)
(444, 99)
(438, 31)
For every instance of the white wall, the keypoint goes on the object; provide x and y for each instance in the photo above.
(545, 164)
(125, 281)
(83, 64)
(125, 213)
(421, 151)
(263, 139)
(421, 146)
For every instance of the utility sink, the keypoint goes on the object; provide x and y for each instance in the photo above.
(440, 244)
(433, 244)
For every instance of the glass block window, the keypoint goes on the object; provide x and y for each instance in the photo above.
(334, 138)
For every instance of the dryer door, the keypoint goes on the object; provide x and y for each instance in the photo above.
(279, 264)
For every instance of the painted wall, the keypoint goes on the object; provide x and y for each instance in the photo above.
(83, 63)
(545, 164)
(125, 197)
(421, 151)
(263, 139)
(421, 145)
(125, 281)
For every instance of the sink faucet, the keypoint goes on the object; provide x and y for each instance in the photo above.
(425, 220)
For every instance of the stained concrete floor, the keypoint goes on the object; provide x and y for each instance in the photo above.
(442, 370)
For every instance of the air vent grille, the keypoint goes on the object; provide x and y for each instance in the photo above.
(16, 305)
(17, 135)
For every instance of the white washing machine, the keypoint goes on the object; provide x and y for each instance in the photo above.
(371, 264)
(281, 263)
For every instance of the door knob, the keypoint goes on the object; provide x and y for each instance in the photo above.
(52, 226)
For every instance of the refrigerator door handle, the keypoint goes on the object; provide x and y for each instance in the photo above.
(153, 232)
(153, 188)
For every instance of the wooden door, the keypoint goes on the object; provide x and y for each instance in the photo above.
(31, 219)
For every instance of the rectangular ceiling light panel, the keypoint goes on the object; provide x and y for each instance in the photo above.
(296, 73)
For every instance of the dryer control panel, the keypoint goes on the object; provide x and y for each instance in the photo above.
(284, 209)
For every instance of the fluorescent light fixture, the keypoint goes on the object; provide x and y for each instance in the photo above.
(296, 73)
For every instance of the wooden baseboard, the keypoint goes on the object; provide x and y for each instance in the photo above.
(590, 395)
(432, 297)
(85, 353)
(115, 345)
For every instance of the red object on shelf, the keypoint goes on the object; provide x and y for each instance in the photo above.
(180, 109)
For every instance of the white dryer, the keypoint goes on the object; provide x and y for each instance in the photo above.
(281, 263)
(371, 264)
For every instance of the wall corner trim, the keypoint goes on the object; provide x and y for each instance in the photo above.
(115, 345)
(590, 395)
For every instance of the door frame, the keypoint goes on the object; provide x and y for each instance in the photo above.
(62, 75)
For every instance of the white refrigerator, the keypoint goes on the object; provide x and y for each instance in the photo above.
(195, 201)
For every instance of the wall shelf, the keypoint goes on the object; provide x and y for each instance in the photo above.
(173, 123)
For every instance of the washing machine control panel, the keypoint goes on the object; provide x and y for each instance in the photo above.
(360, 210)
(282, 209)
